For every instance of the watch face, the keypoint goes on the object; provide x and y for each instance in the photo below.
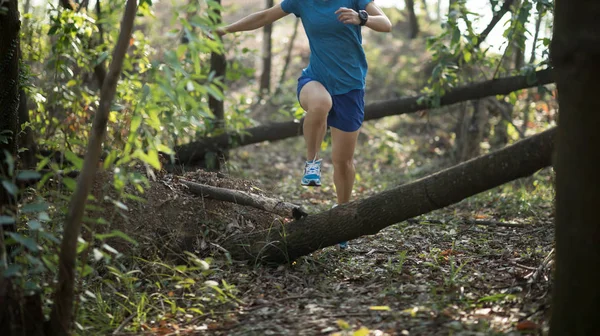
(363, 15)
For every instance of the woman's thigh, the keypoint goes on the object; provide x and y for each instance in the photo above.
(314, 98)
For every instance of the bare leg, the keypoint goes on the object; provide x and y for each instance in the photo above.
(343, 144)
(316, 101)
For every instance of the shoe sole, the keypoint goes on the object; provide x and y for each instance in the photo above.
(311, 184)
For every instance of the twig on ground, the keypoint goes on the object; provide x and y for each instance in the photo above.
(468, 222)
(349, 314)
(373, 251)
(294, 297)
(523, 266)
(124, 323)
(536, 274)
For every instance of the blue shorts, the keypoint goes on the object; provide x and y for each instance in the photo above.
(347, 111)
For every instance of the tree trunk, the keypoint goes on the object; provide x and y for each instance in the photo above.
(9, 85)
(369, 216)
(470, 131)
(19, 314)
(9, 97)
(575, 56)
(62, 312)
(195, 151)
(265, 78)
(518, 54)
(218, 67)
(414, 23)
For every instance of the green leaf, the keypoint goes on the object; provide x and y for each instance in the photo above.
(25, 241)
(136, 121)
(10, 187)
(43, 217)
(116, 233)
(28, 175)
(74, 159)
(379, 308)
(103, 56)
(70, 183)
(455, 36)
(467, 56)
(87, 270)
(154, 161)
(6, 220)
(34, 207)
(10, 161)
(49, 236)
(164, 149)
(12, 270)
(34, 225)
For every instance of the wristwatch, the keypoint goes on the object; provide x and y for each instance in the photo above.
(363, 16)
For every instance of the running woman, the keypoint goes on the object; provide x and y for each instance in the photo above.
(331, 88)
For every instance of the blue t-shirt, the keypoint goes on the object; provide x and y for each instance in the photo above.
(337, 58)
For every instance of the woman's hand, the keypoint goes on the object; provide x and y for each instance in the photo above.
(348, 16)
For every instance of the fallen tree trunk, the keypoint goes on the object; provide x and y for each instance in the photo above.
(194, 152)
(369, 216)
(272, 205)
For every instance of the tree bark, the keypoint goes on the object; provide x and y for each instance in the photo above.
(268, 204)
(368, 216)
(575, 54)
(19, 314)
(217, 106)
(265, 78)
(470, 131)
(9, 99)
(414, 23)
(9, 85)
(195, 151)
(62, 311)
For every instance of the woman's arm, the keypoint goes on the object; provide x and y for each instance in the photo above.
(255, 20)
(377, 21)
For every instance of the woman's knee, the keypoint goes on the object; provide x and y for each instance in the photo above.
(342, 164)
(314, 98)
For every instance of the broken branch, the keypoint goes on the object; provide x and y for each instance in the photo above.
(243, 198)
